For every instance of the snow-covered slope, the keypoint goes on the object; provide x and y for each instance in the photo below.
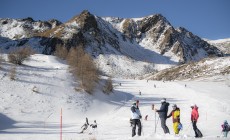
(31, 105)
(208, 67)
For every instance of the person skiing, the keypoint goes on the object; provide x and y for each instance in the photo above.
(163, 114)
(85, 125)
(225, 128)
(94, 125)
(194, 119)
(175, 114)
(136, 116)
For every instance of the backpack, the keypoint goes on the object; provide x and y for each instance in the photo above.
(226, 127)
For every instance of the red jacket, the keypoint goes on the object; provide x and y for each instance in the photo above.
(195, 114)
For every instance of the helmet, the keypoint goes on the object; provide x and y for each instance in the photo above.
(192, 105)
(163, 100)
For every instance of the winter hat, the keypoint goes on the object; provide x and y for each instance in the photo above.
(163, 100)
(192, 105)
(174, 106)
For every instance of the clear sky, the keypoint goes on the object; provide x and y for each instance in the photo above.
(205, 18)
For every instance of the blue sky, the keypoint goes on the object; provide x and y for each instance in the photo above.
(205, 18)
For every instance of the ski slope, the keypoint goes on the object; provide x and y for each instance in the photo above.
(28, 115)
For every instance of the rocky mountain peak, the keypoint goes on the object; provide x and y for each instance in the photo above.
(85, 20)
(148, 22)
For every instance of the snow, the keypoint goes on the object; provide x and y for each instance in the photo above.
(25, 114)
(219, 40)
(12, 30)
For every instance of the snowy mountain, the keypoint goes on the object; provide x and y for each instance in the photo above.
(16, 29)
(221, 44)
(150, 41)
(208, 67)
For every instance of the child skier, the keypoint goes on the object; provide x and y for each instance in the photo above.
(175, 118)
(225, 128)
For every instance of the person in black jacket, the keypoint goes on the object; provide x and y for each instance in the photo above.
(163, 114)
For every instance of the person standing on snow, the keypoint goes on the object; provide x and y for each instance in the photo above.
(175, 114)
(163, 114)
(194, 118)
(136, 116)
(225, 128)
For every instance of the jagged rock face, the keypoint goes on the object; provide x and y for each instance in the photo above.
(151, 22)
(193, 46)
(129, 29)
(86, 21)
(24, 28)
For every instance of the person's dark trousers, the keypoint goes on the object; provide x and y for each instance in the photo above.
(196, 130)
(136, 122)
(163, 125)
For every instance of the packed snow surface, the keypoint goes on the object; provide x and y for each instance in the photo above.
(31, 105)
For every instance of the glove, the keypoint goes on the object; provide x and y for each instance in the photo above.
(140, 116)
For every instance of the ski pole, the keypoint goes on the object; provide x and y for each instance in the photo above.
(153, 107)
(155, 123)
(142, 127)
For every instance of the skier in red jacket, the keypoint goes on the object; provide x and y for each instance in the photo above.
(194, 118)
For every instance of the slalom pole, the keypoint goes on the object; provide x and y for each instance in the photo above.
(61, 126)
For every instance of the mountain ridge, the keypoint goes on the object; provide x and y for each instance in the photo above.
(150, 40)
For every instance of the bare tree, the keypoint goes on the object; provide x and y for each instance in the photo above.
(1, 59)
(19, 55)
(83, 68)
(108, 87)
(61, 51)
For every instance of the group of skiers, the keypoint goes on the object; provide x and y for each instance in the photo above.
(163, 115)
(136, 117)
